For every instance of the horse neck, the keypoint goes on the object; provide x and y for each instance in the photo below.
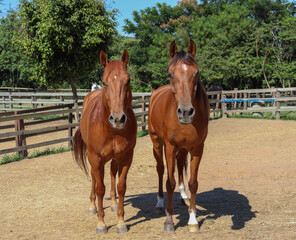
(100, 110)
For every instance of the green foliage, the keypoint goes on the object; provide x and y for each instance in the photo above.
(16, 69)
(37, 153)
(10, 158)
(267, 115)
(48, 151)
(240, 44)
(142, 133)
(65, 37)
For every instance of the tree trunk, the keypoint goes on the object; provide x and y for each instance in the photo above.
(74, 91)
(262, 63)
(75, 96)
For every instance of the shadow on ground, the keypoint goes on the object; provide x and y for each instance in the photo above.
(214, 204)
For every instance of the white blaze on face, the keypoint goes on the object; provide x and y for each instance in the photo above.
(184, 67)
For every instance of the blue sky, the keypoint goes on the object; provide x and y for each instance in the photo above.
(125, 7)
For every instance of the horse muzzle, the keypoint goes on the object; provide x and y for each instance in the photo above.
(185, 114)
(118, 120)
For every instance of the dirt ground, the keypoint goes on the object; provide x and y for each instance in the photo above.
(247, 190)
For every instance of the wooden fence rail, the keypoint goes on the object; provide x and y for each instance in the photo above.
(66, 112)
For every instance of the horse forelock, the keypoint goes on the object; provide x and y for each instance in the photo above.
(114, 67)
(183, 57)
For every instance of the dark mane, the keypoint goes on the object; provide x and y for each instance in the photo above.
(183, 57)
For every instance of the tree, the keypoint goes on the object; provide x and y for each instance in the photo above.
(16, 69)
(155, 28)
(64, 37)
(240, 43)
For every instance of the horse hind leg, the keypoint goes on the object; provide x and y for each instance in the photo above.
(158, 154)
(113, 172)
(92, 208)
(181, 164)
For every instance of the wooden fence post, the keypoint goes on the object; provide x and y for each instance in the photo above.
(278, 105)
(34, 105)
(245, 103)
(20, 139)
(273, 95)
(224, 107)
(235, 97)
(70, 129)
(10, 102)
(77, 118)
(143, 110)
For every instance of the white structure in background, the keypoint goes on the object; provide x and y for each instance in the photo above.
(95, 87)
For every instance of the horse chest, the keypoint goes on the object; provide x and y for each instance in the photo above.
(114, 147)
(183, 138)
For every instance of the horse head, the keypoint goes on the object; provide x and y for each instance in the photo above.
(184, 77)
(116, 88)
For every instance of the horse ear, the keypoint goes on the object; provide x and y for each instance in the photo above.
(173, 49)
(125, 57)
(192, 48)
(103, 58)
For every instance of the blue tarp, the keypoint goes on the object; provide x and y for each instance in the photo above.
(249, 100)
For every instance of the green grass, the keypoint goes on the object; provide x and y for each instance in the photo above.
(37, 153)
(267, 115)
(142, 133)
(47, 117)
(47, 151)
(216, 117)
(10, 158)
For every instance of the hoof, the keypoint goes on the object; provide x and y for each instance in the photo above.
(169, 227)
(159, 210)
(121, 229)
(100, 230)
(185, 201)
(193, 227)
(114, 208)
(92, 211)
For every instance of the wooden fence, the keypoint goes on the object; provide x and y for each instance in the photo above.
(14, 122)
(275, 100)
(60, 107)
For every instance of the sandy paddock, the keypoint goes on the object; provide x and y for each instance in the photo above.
(247, 190)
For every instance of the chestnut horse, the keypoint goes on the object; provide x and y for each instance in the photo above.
(178, 120)
(108, 129)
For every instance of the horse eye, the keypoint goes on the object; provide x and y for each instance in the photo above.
(128, 82)
(169, 75)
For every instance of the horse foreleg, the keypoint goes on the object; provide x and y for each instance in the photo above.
(113, 172)
(124, 165)
(181, 159)
(158, 154)
(97, 171)
(92, 209)
(170, 154)
(193, 186)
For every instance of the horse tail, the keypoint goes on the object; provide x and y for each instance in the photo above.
(79, 151)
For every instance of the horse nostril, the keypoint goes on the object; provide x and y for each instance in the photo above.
(191, 111)
(123, 118)
(179, 111)
(111, 118)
